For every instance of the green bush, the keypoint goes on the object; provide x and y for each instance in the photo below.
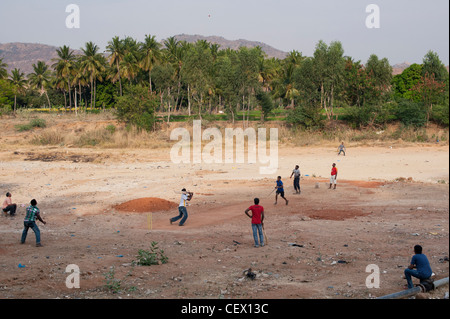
(369, 115)
(440, 114)
(111, 128)
(411, 113)
(137, 107)
(306, 116)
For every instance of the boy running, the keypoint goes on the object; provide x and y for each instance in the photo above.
(280, 190)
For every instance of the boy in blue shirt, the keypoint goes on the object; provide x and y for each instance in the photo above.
(423, 269)
(280, 190)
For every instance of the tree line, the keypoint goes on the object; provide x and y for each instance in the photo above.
(140, 79)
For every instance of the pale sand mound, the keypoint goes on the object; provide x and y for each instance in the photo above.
(146, 205)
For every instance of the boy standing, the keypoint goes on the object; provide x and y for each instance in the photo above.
(341, 149)
(32, 213)
(257, 217)
(296, 174)
(280, 190)
(333, 177)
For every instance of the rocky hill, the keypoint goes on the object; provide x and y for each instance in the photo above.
(23, 55)
(233, 44)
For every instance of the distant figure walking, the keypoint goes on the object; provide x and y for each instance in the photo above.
(296, 174)
(9, 206)
(341, 149)
(333, 178)
(32, 213)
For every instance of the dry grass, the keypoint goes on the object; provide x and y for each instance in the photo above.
(104, 132)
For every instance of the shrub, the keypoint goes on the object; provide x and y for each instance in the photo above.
(369, 115)
(154, 256)
(112, 284)
(137, 107)
(94, 138)
(111, 128)
(306, 116)
(48, 138)
(411, 113)
(440, 114)
(39, 123)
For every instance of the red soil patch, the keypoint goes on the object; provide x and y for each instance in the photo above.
(146, 205)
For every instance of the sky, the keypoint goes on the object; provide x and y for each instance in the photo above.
(408, 29)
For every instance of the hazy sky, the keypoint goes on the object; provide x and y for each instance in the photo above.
(408, 28)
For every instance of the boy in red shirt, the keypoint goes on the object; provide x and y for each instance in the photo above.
(333, 177)
(257, 217)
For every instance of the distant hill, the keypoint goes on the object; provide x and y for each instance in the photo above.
(400, 67)
(233, 44)
(23, 55)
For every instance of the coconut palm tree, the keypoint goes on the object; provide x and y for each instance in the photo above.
(80, 80)
(40, 78)
(116, 49)
(150, 51)
(3, 72)
(92, 65)
(64, 67)
(19, 83)
(174, 54)
(129, 67)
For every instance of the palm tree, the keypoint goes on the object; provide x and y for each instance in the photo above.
(174, 53)
(3, 72)
(40, 78)
(19, 82)
(129, 67)
(150, 50)
(92, 64)
(80, 80)
(117, 52)
(64, 67)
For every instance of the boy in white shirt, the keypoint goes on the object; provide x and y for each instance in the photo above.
(185, 196)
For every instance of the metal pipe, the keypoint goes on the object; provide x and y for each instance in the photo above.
(413, 291)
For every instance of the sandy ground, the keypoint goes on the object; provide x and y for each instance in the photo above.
(375, 216)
